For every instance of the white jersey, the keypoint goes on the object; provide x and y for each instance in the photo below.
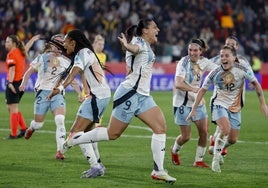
(192, 73)
(85, 59)
(50, 68)
(241, 60)
(229, 86)
(141, 66)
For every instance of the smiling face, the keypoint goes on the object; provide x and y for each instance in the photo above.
(194, 52)
(69, 44)
(227, 58)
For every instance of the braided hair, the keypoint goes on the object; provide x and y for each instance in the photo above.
(82, 42)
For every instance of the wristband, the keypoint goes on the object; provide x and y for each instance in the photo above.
(61, 88)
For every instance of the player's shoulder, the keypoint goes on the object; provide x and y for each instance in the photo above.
(184, 60)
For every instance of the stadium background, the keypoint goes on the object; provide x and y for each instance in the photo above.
(178, 20)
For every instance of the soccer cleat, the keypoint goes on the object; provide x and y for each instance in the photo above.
(59, 155)
(94, 172)
(175, 158)
(28, 133)
(10, 137)
(162, 175)
(211, 144)
(21, 134)
(224, 151)
(201, 164)
(73, 136)
(65, 147)
(103, 167)
(216, 165)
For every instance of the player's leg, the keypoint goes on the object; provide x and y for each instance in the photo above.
(180, 115)
(158, 143)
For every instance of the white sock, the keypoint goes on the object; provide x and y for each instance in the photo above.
(36, 125)
(219, 144)
(217, 131)
(60, 131)
(95, 135)
(96, 150)
(176, 147)
(200, 152)
(158, 149)
(88, 152)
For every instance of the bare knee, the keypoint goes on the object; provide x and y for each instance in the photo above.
(113, 135)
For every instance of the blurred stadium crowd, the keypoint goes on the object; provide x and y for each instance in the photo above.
(178, 20)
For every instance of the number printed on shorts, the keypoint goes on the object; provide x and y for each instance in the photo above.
(181, 109)
(128, 104)
(39, 98)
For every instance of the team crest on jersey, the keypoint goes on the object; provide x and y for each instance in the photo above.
(227, 77)
(196, 69)
(55, 61)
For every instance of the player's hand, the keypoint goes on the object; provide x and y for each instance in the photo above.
(21, 88)
(81, 98)
(54, 92)
(11, 87)
(191, 114)
(264, 109)
(122, 39)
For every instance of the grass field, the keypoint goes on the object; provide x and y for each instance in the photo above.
(128, 160)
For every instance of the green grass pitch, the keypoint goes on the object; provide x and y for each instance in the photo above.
(128, 160)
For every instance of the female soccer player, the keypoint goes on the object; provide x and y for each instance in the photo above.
(86, 62)
(51, 66)
(189, 74)
(228, 81)
(132, 98)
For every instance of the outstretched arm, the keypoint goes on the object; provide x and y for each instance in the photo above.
(260, 94)
(26, 77)
(29, 44)
(127, 46)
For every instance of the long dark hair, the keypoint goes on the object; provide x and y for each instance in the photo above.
(136, 30)
(82, 42)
